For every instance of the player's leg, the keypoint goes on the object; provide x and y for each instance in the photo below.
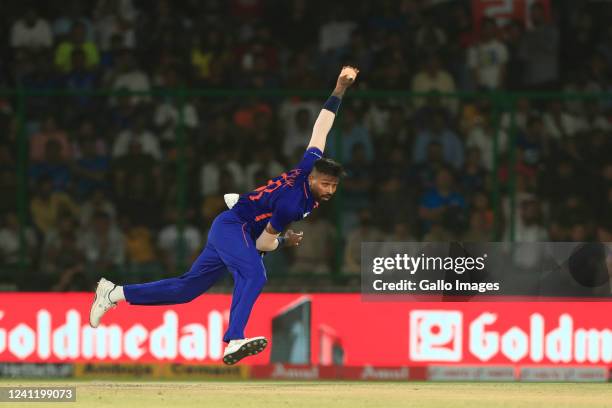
(205, 271)
(249, 280)
(238, 252)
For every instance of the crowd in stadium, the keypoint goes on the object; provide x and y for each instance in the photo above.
(104, 180)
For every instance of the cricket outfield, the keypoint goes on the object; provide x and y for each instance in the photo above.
(268, 394)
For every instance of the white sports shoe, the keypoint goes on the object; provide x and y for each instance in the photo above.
(236, 350)
(101, 303)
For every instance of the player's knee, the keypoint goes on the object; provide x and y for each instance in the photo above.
(182, 291)
(258, 281)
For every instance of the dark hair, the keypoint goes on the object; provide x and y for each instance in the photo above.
(329, 167)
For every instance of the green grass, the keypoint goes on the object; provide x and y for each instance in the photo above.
(268, 394)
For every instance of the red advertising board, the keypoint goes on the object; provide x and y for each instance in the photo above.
(45, 327)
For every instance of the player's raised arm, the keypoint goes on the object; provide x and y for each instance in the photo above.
(325, 120)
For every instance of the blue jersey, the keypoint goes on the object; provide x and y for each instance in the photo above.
(283, 200)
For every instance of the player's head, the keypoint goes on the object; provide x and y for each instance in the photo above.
(324, 178)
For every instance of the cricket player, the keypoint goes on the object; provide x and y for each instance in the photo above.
(238, 236)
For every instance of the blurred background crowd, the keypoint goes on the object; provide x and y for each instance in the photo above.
(102, 173)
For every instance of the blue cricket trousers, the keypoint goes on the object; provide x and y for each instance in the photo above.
(229, 246)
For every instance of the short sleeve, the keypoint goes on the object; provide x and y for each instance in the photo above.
(282, 216)
(310, 157)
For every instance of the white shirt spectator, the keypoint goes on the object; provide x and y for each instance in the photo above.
(335, 34)
(89, 208)
(567, 125)
(294, 136)
(484, 139)
(134, 80)
(9, 244)
(37, 36)
(169, 237)
(211, 173)
(438, 81)
(110, 248)
(488, 59)
(272, 169)
(377, 119)
(168, 113)
(150, 144)
(108, 16)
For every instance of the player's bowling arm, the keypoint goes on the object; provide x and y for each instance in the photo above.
(321, 128)
(326, 117)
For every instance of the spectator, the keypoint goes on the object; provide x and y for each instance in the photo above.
(263, 160)
(10, 243)
(140, 252)
(137, 134)
(315, 255)
(50, 131)
(54, 167)
(64, 265)
(515, 68)
(137, 185)
(91, 170)
(77, 41)
(531, 143)
(167, 119)
(8, 181)
(482, 137)
(474, 174)
(169, 242)
(364, 232)
(439, 132)
(335, 33)
(300, 132)
(69, 15)
(31, 32)
(46, 205)
(425, 173)
(353, 132)
(540, 51)
(86, 133)
(443, 204)
(128, 76)
(429, 37)
(523, 111)
(210, 174)
(104, 244)
(560, 124)
(487, 59)
(358, 184)
(528, 225)
(115, 18)
(96, 202)
(80, 78)
(433, 78)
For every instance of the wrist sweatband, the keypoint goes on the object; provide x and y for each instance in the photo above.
(332, 104)
(281, 241)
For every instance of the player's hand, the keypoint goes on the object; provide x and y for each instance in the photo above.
(293, 238)
(347, 77)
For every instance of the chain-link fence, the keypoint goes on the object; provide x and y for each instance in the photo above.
(125, 184)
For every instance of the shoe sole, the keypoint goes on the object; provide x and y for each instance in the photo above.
(249, 348)
(93, 305)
